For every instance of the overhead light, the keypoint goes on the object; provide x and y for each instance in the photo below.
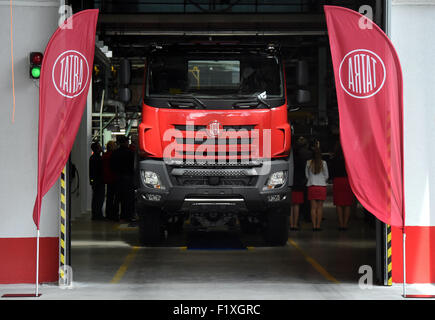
(120, 132)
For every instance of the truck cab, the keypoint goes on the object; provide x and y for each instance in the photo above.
(214, 141)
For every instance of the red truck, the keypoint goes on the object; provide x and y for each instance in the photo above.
(214, 141)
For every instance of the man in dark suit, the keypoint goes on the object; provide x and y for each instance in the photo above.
(303, 154)
(96, 181)
(122, 164)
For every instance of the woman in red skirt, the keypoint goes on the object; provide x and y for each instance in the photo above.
(316, 172)
(343, 195)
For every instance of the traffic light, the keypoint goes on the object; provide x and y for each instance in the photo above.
(35, 64)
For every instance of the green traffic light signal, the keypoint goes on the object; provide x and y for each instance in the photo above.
(36, 72)
(35, 60)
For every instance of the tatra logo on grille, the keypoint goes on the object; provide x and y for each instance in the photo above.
(214, 129)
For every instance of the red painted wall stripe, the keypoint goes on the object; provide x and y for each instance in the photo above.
(420, 255)
(18, 260)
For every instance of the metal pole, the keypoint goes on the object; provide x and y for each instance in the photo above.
(386, 253)
(388, 33)
(388, 18)
(68, 212)
(101, 118)
(63, 262)
(37, 263)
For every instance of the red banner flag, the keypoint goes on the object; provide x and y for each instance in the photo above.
(368, 80)
(64, 83)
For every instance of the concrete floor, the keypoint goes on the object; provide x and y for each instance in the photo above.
(108, 264)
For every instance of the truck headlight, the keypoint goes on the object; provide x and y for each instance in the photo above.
(151, 179)
(276, 180)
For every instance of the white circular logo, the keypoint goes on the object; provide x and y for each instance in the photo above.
(214, 129)
(70, 73)
(362, 73)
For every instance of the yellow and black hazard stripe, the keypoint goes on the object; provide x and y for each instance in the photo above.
(389, 260)
(62, 260)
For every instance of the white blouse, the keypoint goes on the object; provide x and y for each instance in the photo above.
(319, 179)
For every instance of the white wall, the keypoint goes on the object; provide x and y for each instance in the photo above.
(413, 35)
(33, 23)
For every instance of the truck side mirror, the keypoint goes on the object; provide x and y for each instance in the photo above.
(124, 80)
(303, 96)
(125, 95)
(293, 109)
(124, 72)
(302, 73)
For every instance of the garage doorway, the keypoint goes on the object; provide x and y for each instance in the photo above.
(129, 31)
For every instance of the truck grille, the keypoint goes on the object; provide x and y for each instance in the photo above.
(235, 143)
(210, 176)
(183, 127)
(214, 164)
(221, 181)
(215, 141)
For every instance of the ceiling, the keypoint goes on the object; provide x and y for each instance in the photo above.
(129, 27)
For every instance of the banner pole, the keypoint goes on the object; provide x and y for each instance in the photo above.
(37, 263)
(404, 262)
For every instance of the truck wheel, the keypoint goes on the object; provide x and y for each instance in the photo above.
(248, 227)
(277, 225)
(150, 231)
(176, 227)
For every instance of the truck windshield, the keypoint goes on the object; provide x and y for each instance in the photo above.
(215, 76)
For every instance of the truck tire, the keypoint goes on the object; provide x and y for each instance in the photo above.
(177, 226)
(248, 227)
(150, 226)
(276, 231)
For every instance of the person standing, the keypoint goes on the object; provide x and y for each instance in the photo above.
(96, 181)
(122, 164)
(112, 201)
(342, 192)
(298, 189)
(304, 153)
(316, 172)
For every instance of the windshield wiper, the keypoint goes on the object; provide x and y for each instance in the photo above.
(191, 96)
(261, 97)
(181, 104)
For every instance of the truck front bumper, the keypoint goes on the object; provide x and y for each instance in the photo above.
(254, 198)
